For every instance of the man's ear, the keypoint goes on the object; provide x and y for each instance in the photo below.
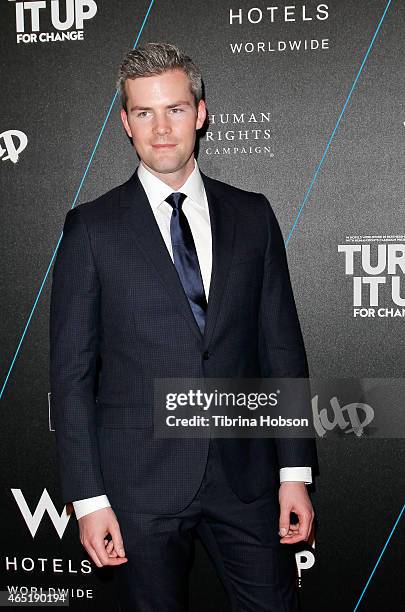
(124, 119)
(201, 114)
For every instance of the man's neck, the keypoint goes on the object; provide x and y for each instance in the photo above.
(175, 180)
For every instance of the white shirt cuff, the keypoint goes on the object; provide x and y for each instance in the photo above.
(90, 504)
(301, 474)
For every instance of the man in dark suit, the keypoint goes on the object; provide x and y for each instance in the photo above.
(175, 274)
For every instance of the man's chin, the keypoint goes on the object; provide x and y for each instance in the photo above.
(165, 168)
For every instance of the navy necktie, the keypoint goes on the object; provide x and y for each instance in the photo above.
(186, 260)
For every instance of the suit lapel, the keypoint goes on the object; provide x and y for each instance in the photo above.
(222, 231)
(141, 220)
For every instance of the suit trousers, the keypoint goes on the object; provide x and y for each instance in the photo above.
(258, 573)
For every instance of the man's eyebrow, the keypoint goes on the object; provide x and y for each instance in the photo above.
(179, 103)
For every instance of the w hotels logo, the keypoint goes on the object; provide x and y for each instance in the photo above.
(45, 504)
(66, 16)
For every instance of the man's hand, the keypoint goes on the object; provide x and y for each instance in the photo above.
(293, 497)
(93, 530)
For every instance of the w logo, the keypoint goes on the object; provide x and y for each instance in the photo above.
(45, 504)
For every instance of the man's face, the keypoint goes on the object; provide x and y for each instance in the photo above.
(162, 120)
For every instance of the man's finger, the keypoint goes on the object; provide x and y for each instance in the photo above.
(110, 546)
(292, 539)
(111, 550)
(284, 522)
(305, 522)
(93, 555)
(103, 556)
(302, 533)
(117, 539)
(100, 552)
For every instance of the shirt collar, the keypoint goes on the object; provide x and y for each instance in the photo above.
(157, 191)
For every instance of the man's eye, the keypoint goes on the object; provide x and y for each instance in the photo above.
(177, 110)
(142, 114)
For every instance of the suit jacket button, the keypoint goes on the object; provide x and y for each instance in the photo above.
(206, 355)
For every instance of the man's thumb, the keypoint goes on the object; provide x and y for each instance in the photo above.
(117, 539)
(284, 523)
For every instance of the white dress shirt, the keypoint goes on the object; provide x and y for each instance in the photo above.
(195, 207)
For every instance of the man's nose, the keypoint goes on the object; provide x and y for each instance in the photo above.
(161, 125)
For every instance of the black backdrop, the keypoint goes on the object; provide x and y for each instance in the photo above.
(320, 131)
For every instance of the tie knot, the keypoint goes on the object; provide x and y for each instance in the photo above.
(176, 199)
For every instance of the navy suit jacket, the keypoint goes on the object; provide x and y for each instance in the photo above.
(119, 318)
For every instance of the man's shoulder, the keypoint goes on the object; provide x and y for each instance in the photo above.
(101, 205)
(236, 194)
(246, 203)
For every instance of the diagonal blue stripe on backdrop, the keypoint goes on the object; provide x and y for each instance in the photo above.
(379, 558)
(305, 200)
(73, 205)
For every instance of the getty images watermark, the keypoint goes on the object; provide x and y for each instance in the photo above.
(214, 400)
(279, 408)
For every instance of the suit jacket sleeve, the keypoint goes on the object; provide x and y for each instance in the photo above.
(74, 343)
(281, 346)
